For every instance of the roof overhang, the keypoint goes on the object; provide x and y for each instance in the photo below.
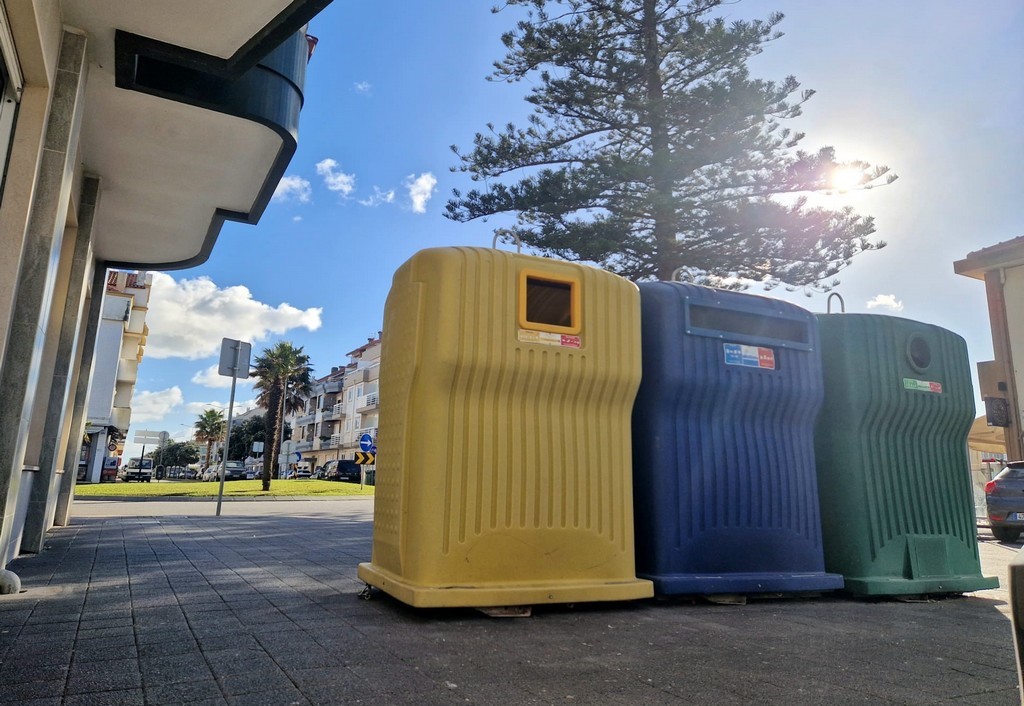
(190, 119)
(1000, 255)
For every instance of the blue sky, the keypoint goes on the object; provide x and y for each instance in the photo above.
(930, 87)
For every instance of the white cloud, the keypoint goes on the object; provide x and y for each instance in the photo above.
(379, 197)
(188, 318)
(197, 408)
(334, 178)
(886, 301)
(209, 377)
(153, 406)
(421, 188)
(241, 406)
(361, 87)
(296, 219)
(293, 188)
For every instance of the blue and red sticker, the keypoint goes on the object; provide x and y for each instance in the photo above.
(749, 356)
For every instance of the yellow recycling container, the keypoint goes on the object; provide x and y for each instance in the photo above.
(504, 471)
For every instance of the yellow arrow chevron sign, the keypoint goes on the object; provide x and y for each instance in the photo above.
(365, 459)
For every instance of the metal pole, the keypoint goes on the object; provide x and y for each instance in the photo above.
(282, 465)
(227, 433)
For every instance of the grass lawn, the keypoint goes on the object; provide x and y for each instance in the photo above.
(232, 489)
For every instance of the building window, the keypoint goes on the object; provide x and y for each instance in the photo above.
(10, 91)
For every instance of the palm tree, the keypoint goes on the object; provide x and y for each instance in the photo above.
(210, 428)
(283, 378)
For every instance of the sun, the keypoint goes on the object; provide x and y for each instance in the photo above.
(846, 178)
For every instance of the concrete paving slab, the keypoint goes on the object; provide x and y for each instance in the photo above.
(165, 603)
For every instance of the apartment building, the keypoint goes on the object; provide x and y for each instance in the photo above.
(341, 409)
(120, 343)
(315, 428)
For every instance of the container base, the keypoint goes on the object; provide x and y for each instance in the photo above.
(484, 596)
(710, 584)
(883, 586)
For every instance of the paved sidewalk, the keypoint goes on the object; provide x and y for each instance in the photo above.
(260, 606)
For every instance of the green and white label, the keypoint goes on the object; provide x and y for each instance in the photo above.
(921, 385)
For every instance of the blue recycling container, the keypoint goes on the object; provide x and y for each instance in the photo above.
(725, 487)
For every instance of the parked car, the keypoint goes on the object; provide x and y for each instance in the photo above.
(235, 471)
(1004, 497)
(299, 473)
(191, 474)
(344, 469)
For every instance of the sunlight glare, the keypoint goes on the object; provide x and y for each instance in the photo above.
(846, 178)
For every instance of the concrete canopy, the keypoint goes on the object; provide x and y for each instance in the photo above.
(175, 162)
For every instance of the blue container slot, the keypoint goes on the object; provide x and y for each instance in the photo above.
(739, 324)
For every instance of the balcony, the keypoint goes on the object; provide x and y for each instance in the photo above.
(303, 445)
(333, 386)
(335, 412)
(127, 370)
(337, 440)
(121, 417)
(356, 377)
(136, 321)
(305, 419)
(372, 431)
(367, 403)
(123, 393)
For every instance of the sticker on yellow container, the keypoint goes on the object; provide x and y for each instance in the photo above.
(549, 339)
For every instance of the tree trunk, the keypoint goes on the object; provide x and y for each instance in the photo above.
(663, 210)
(272, 428)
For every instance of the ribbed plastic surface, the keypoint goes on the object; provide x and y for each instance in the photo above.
(723, 447)
(893, 472)
(503, 467)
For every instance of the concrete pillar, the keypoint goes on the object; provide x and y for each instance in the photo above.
(26, 336)
(53, 443)
(92, 324)
(19, 186)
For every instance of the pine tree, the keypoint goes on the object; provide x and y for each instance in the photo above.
(651, 148)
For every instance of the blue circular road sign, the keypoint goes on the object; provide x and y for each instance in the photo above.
(365, 443)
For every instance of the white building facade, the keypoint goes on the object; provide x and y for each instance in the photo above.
(120, 343)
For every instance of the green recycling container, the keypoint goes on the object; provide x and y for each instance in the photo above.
(897, 510)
